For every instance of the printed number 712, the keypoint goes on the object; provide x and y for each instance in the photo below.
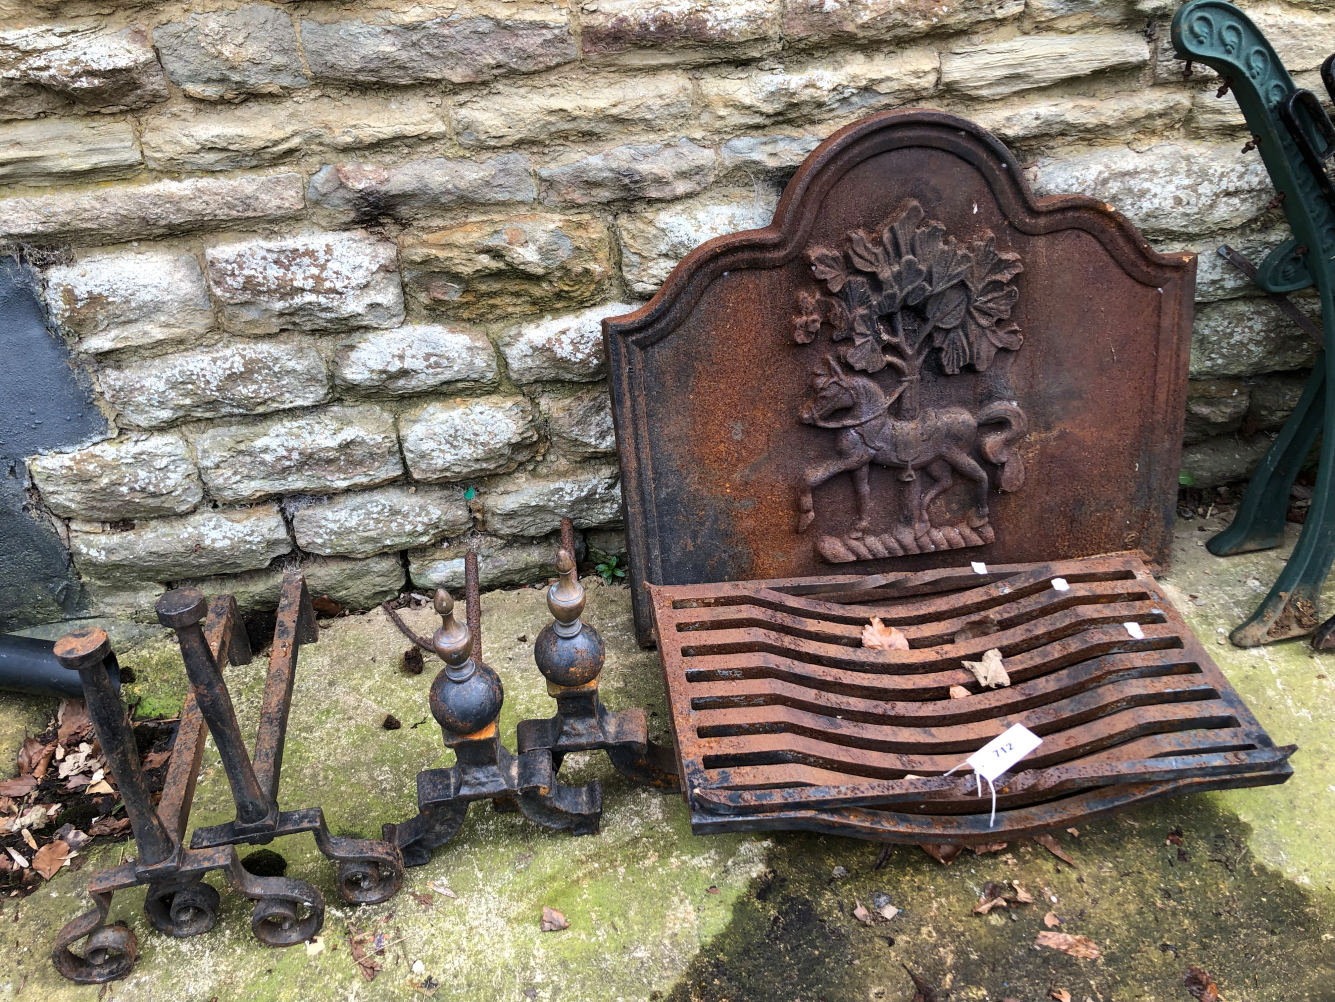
(1004, 749)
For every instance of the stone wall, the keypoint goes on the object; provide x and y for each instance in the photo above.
(336, 270)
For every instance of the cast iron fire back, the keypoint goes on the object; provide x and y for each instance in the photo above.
(917, 363)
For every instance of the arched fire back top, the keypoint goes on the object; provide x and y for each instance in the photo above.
(917, 356)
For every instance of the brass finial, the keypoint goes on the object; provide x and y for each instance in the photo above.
(565, 598)
(453, 641)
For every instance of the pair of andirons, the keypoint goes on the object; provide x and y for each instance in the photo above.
(466, 698)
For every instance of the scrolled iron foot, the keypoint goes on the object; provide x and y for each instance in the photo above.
(369, 871)
(280, 922)
(418, 837)
(109, 953)
(551, 804)
(183, 909)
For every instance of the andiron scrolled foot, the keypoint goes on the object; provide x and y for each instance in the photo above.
(466, 698)
(570, 655)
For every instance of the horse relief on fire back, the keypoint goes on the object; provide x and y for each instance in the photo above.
(903, 303)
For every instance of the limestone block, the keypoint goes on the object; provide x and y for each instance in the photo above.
(420, 187)
(768, 155)
(1085, 116)
(832, 85)
(1216, 278)
(151, 210)
(254, 591)
(188, 138)
(1247, 337)
(53, 151)
(133, 602)
(569, 347)
(417, 358)
(1302, 39)
(111, 301)
(331, 449)
(134, 476)
(581, 108)
(100, 70)
(526, 504)
(387, 518)
(500, 562)
(658, 171)
(354, 584)
(580, 423)
(1273, 398)
(1210, 114)
(653, 31)
(1169, 69)
(604, 543)
(228, 55)
(219, 381)
(815, 21)
(225, 541)
(458, 49)
(465, 438)
(653, 242)
(500, 266)
(322, 281)
(1225, 459)
(1167, 189)
(1081, 12)
(1214, 407)
(20, 100)
(1030, 61)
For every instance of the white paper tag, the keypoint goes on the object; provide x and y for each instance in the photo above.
(1135, 630)
(1059, 584)
(1002, 752)
(979, 567)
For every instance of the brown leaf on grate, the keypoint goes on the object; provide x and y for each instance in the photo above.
(1200, 985)
(990, 672)
(73, 721)
(878, 636)
(1050, 843)
(1075, 946)
(959, 692)
(553, 921)
(50, 858)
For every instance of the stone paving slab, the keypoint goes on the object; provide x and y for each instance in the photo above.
(659, 914)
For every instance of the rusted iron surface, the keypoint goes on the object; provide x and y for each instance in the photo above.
(782, 719)
(178, 903)
(917, 357)
(570, 655)
(466, 698)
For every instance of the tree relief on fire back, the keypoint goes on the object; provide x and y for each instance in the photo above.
(904, 306)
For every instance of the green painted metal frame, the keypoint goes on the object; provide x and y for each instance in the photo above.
(1222, 37)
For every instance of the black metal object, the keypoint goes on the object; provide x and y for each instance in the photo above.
(30, 665)
(570, 655)
(466, 698)
(287, 911)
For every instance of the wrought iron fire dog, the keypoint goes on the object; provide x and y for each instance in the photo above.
(1295, 139)
(466, 698)
(287, 911)
(570, 655)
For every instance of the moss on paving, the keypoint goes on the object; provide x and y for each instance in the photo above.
(1247, 895)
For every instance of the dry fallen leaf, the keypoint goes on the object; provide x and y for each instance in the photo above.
(862, 915)
(154, 759)
(35, 757)
(976, 628)
(1060, 994)
(315, 946)
(1075, 946)
(881, 637)
(943, 852)
(990, 672)
(110, 826)
(73, 720)
(1073, 831)
(440, 888)
(959, 692)
(425, 900)
(20, 860)
(366, 964)
(27, 837)
(922, 991)
(978, 850)
(985, 905)
(72, 837)
(1021, 895)
(1200, 985)
(553, 921)
(50, 858)
(1051, 920)
(101, 786)
(1050, 843)
(20, 787)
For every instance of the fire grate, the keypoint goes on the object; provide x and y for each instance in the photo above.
(782, 719)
